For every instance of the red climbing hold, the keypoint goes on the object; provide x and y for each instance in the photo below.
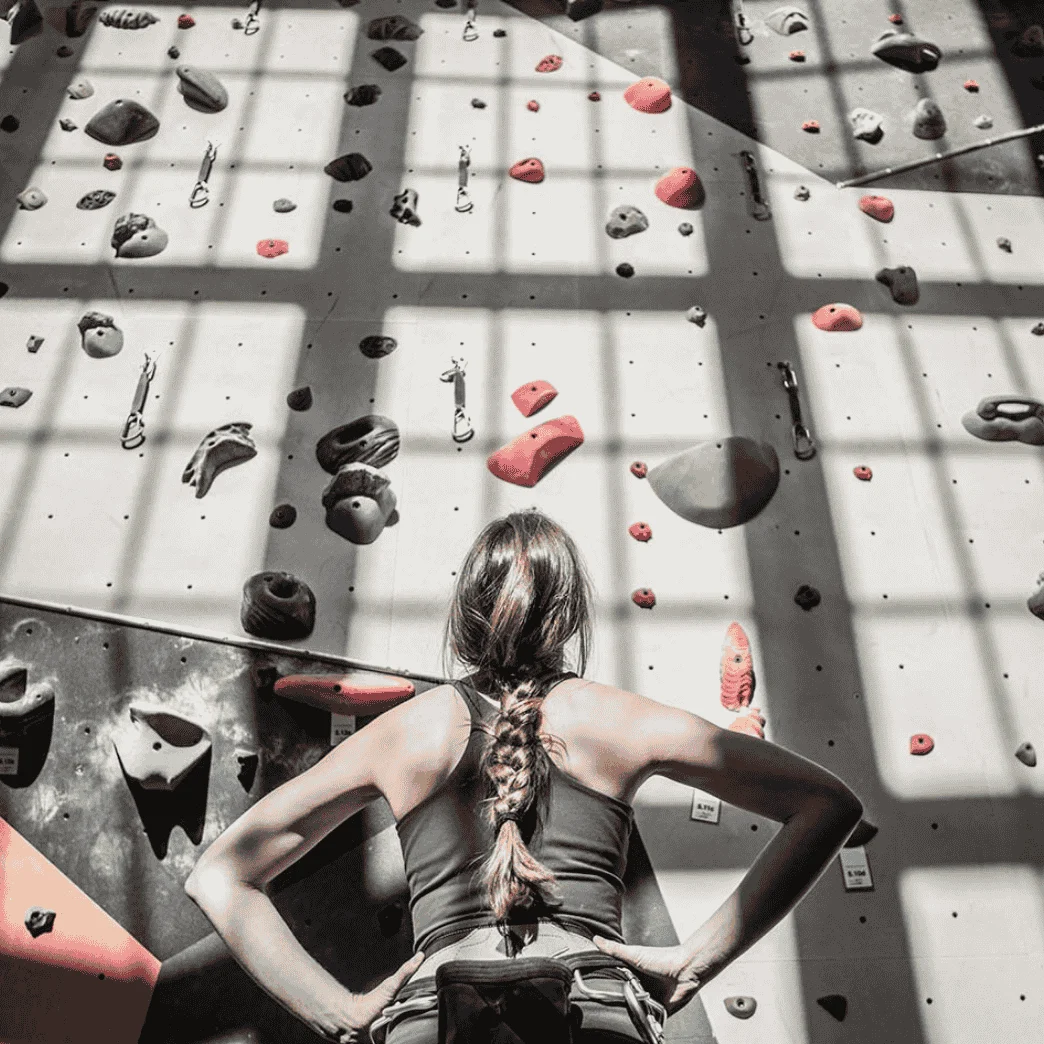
(971, 85)
(525, 459)
(639, 469)
(549, 63)
(594, 96)
(737, 669)
(533, 396)
(921, 743)
(879, 207)
(186, 21)
(643, 598)
(272, 247)
(796, 56)
(863, 473)
(680, 187)
(837, 318)
(531, 170)
(346, 694)
(649, 95)
(812, 126)
(895, 19)
(533, 106)
(640, 531)
(752, 724)
(112, 161)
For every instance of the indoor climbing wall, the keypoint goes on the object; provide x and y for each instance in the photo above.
(306, 261)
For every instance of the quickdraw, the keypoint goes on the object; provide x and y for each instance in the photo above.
(200, 195)
(804, 446)
(464, 203)
(462, 429)
(759, 207)
(134, 428)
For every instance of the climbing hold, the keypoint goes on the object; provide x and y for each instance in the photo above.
(186, 21)
(579, 9)
(221, 449)
(372, 440)
(393, 27)
(866, 125)
(549, 63)
(201, 89)
(649, 95)
(67, 125)
(533, 106)
(810, 126)
(300, 399)
(283, 516)
(835, 1005)
(736, 669)
(31, 198)
(500, 33)
(364, 94)
(685, 229)
(718, 484)
(534, 396)
(902, 282)
(863, 473)
(247, 760)
(353, 166)
(524, 460)
(26, 22)
(641, 532)
(377, 346)
(343, 206)
(530, 169)
(971, 85)
(1027, 755)
(283, 205)
(123, 18)
(15, 397)
(625, 270)
(34, 343)
(359, 503)
(863, 834)
(160, 749)
(752, 724)
(697, 315)
(272, 247)
(594, 96)
(796, 56)
(1004, 243)
(9, 124)
(22, 705)
(64, 51)
(928, 120)
(1030, 44)
(643, 598)
(136, 235)
(100, 337)
(112, 161)
(921, 743)
(404, 208)
(807, 597)
(445, 3)
(787, 20)
(122, 122)
(389, 58)
(983, 122)
(278, 606)
(1035, 603)
(1007, 418)
(626, 221)
(360, 693)
(38, 920)
(741, 1007)
(837, 318)
(879, 207)
(173, 52)
(906, 51)
(802, 193)
(681, 187)
(639, 469)
(477, 103)
(95, 200)
(80, 88)
(895, 19)
(1038, 330)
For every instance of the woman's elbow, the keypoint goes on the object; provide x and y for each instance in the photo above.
(207, 885)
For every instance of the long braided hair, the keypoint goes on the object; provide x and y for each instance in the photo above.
(521, 597)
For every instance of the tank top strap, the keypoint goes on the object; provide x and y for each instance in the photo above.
(479, 710)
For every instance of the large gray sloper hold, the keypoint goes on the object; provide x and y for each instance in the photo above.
(160, 748)
(201, 89)
(1007, 418)
(359, 503)
(21, 704)
(626, 221)
(221, 449)
(122, 122)
(100, 337)
(137, 235)
(718, 484)
(902, 282)
(906, 51)
(929, 123)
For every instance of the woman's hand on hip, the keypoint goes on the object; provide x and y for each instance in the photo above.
(670, 977)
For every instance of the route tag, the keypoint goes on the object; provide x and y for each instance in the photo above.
(341, 727)
(705, 808)
(855, 868)
(8, 761)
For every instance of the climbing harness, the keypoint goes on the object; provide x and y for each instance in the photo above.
(464, 203)
(134, 428)
(804, 446)
(648, 1015)
(200, 195)
(759, 208)
(462, 429)
(744, 34)
(470, 32)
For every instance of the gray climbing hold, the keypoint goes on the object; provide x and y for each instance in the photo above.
(124, 18)
(137, 235)
(686, 229)
(928, 120)
(359, 503)
(34, 343)
(741, 1007)
(9, 124)
(201, 89)
(95, 200)
(835, 1004)
(906, 51)
(1035, 602)
(66, 125)
(277, 605)
(718, 484)
(22, 705)
(353, 166)
(283, 516)
(343, 206)
(39, 921)
(983, 122)
(802, 193)
(15, 397)
(697, 315)
(31, 198)
(377, 346)
(477, 103)
(300, 399)
(580, 9)
(372, 440)
(64, 51)
(1038, 330)
(221, 449)
(1004, 243)
(807, 597)
(26, 22)
(1027, 755)
(122, 122)
(902, 282)
(389, 58)
(80, 88)
(1007, 418)
(173, 52)
(364, 94)
(787, 20)
(248, 762)
(100, 337)
(284, 205)
(625, 270)
(404, 208)
(1030, 44)
(393, 27)
(866, 125)
(159, 749)
(626, 221)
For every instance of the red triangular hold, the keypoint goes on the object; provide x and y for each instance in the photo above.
(681, 187)
(879, 207)
(531, 170)
(346, 693)
(649, 95)
(524, 460)
(533, 396)
(837, 318)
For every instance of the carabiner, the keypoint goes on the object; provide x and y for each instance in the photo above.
(804, 445)
(463, 204)
(462, 429)
(200, 195)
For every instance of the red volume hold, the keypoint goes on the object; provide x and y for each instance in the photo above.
(533, 396)
(649, 95)
(524, 460)
(681, 187)
(530, 169)
(346, 694)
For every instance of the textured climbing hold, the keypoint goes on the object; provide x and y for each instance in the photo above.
(697, 316)
(372, 440)
(1035, 602)
(283, 516)
(971, 85)
(880, 208)
(404, 208)
(364, 94)
(393, 27)
(122, 122)
(1038, 330)
(219, 450)
(359, 503)
(751, 724)
(31, 198)
(594, 96)
(736, 669)
(283, 205)
(863, 834)
(100, 337)
(807, 597)
(1030, 44)
(902, 282)
(718, 484)
(906, 51)
(533, 396)
(500, 33)
(681, 187)
(524, 460)
(626, 221)
(835, 1005)
(741, 1007)
(34, 343)
(15, 397)
(38, 921)
(787, 20)
(929, 123)
(549, 63)
(173, 52)
(66, 124)
(921, 743)
(866, 125)
(649, 95)
(277, 605)
(797, 56)
(1027, 755)
(643, 598)
(530, 170)
(533, 106)
(641, 531)
(22, 705)
(360, 693)
(837, 318)
(685, 229)
(137, 235)
(810, 126)
(95, 200)
(1007, 418)
(639, 469)
(389, 58)
(983, 122)
(300, 399)
(477, 103)
(272, 247)
(376, 346)
(160, 749)
(802, 193)
(863, 473)
(345, 206)
(112, 161)
(353, 166)
(80, 88)
(247, 760)
(625, 270)
(1004, 244)
(201, 89)
(124, 18)
(186, 21)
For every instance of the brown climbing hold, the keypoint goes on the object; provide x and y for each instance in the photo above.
(625, 270)
(221, 449)
(810, 126)
(112, 161)
(807, 597)
(741, 1007)
(879, 207)
(283, 516)
(534, 396)
(837, 318)
(530, 170)
(649, 95)
(681, 187)
(272, 247)
(750, 724)
(277, 605)
(862, 472)
(594, 96)
(38, 921)
(533, 106)
(641, 531)
(737, 669)
(1027, 755)
(372, 440)
(357, 693)
(524, 460)
(835, 1004)
(359, 503)
(549, 63)
(160, 748)
(643, 598)
(248, 762)
(639, 469)
(921, 743)
(300, 399)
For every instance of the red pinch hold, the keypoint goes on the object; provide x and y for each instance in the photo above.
(639, 469)
(524, 460)
(186, 21)
(863, 473)
(531, 170)
(752, 724)
(879, 207)
(549, 63)
(680, 187)
(641, 531)
(345, 694)
(643, 598)
(737, 669)
(921, 743)
(272, 247)
(649, 95)
(837, 318)
(533, 396)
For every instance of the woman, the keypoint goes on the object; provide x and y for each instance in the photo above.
(535, 867)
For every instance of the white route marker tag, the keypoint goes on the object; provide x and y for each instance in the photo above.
(8, 761)
(341, 727)
(856, 870)
(705, 808)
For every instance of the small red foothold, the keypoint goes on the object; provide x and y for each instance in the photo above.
(640, 531)
(752, 724)
(533, 106)
(837, 318)
(639, 469)
(879, 207)
(796, 56)
(643, 598)
(737, 669)
(971, 85)
(525, 459)
(533, 396)
(186, 21)
(921, 743)
(112, 161)
(594, 96)
(812, 126)
(863, 473)
(531, 170)
(549, 63)
(680, 187)
(895, 19)
(649, 95)
(272, 247)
